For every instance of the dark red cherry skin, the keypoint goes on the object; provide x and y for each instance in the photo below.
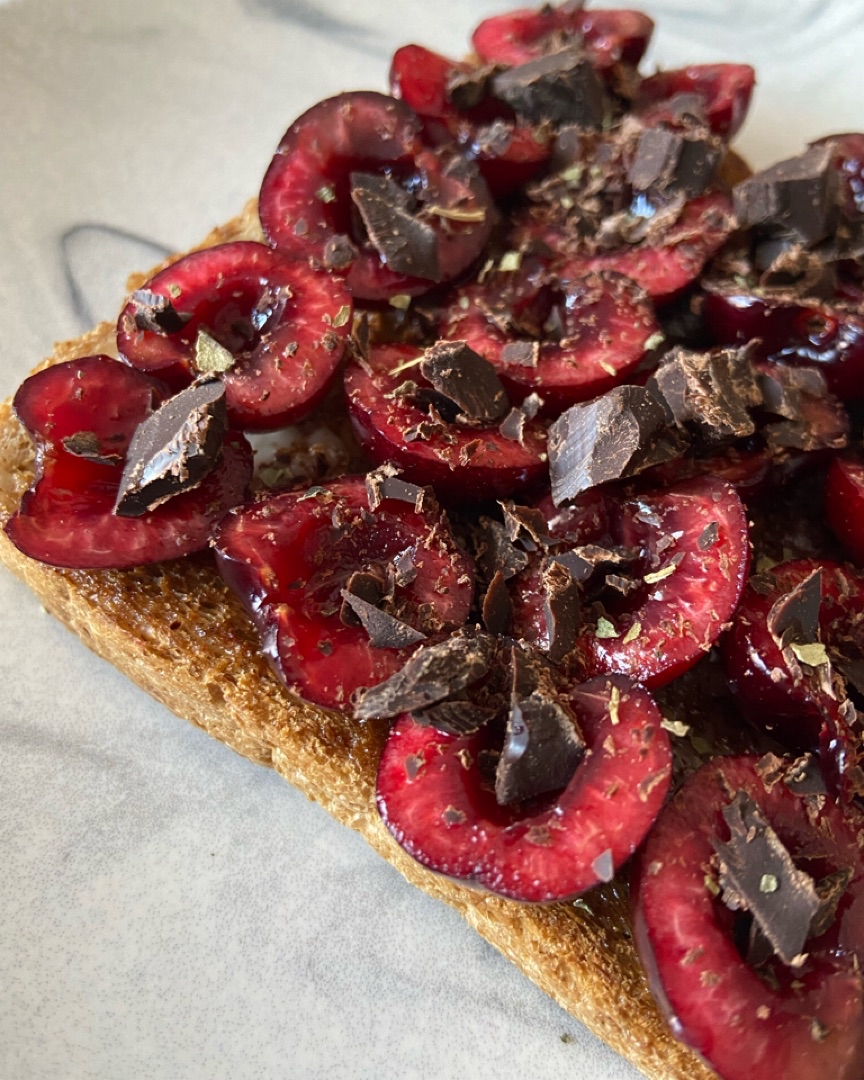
(284, 366)
(662, 628)
(305, 198)
(808, 1024)
(607, 321)
(748, 469)
(610, 36)
(288, 557)
(432, 799)
(724, 91)
(464, 464)
(819, 335)
(844, 504)
(419, 77)
(67, 517)
(758, 673)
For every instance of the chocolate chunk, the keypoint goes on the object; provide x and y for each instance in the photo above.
(513, 425)
(156, 313)
(802, 776)
(584, 560)
(758, 874)
(467, 379)
(784, 389)
(525, 525)
(709, 536)
(617, 434)
(796, 197)
(384, 483)
(339, 252)
(521, 353)
(542, 743)
(407, 245)
(405, 570)
(795, 616)
(495, 551)
(713, 391)
(174, 448)
(497, 608)
(385, 630)
(562, 609)
(467, 89)
(674, 161)
(87, 444)
(366, 586)
(434, 673)
(456, 717)
(561, 88)
(813, 419)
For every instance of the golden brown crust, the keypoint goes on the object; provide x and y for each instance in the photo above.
(176, 630)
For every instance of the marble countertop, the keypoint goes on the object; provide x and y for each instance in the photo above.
(166, 908)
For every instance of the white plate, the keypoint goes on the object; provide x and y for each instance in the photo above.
(166, 908)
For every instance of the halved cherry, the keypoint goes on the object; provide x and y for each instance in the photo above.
(663, 266)
(844, 504)
(688, 564)
(805, 1022)
(433, 798)
(306, 199)
(507, 153)
(827, 335)
(284, 325)
(463, 464)
(581, 336)
(290, 557)
(610, 36)
(775, 696)
(67, 517)
(722, 90)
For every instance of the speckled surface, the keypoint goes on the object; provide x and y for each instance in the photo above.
(166, 908)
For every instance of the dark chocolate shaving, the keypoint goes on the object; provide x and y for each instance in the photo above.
(562, 609)
(404, 567)
(682, 162)
(467, 379)
(758, 874)
(366, 586)
(794, 618)
(339, 252)
(521, 353)
(434, 673)
(495, 551)
(618, 434)
(467, 89)
(88, 445)
(561, 88)
(525, 525)
(497, 610)
(384, 483)
(796, 197)
(712, 391)
(830, 892)
(385, 630)
(542, 744)
(174, 449)
(709, 536)
(407, 245)
(456, 717)
(156, 313)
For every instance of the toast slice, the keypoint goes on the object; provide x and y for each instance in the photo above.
(148, 623)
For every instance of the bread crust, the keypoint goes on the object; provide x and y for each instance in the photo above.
(177, 631)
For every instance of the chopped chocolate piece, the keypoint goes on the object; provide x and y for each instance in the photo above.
(758, 874)
(617, 434)
(406, 571)
(156, 313)
(385, 631)
(521, 353)
(493, 139)
(584, 560)
(495, 551)
(830, 891)
(562, 609)
(542, 744)
(783, 389)
(802, 776)
(623, 585)
(525, 525)
(709, 536)
(813, 418)
(87, 444)
(434, 673)
(361, 336)
(466, 378)
(339, 252)
(791, 270)
(796, 197)
(466, 89)
(174, 448)
(407, 245)
(366, 586)
(384, 483)
(497, 606)
(795, 616)
(674, 161)
(853, 672)
(456, 717)
(562, 88)
(512, 427)
(711, 390)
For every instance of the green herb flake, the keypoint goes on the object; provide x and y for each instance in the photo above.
(675, 727)
(633, 633)
(326, 194)
(400, 301)
(573, 174)
(408, 364)
(614, 702)
(510, 261)
(342, 315)
(655, 341)
(768, 883)
(812, 655)
(175, 290)
(711, 885)
(211, 357)
(605, 629)
(453, 213)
